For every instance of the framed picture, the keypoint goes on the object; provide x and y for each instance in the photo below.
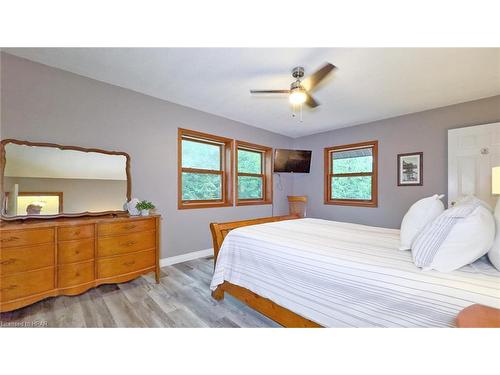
(411, 169)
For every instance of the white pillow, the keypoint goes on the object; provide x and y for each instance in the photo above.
(418, 216)
(471, 199)
(458, 237)
(494, 253)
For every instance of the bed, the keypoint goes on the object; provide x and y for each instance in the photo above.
(313, 272)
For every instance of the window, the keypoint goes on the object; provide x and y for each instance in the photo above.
(205, 163)
(351, 174)
(254, 184)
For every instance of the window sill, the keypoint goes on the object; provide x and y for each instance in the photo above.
(253, 203)
(188, 206)
(352, 203)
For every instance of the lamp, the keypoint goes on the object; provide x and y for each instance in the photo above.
(495, 187)
(495, 180)
(298, 96)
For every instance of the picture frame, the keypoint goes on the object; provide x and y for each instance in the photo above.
(411, 169)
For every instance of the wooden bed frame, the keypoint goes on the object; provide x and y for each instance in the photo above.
(472, 316)
(263, 305)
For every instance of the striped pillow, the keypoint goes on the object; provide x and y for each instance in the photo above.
(457, 237)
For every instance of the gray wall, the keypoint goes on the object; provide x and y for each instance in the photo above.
(40, 103)
(423, 131)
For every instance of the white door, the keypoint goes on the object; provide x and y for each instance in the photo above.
(472, 152)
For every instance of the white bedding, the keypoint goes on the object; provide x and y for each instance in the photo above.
(349, 275)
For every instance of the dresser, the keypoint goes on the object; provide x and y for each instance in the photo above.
(68, 256)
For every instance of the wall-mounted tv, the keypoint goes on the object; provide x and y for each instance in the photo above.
(292, 161)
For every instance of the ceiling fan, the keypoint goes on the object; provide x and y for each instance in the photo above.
(299, 92)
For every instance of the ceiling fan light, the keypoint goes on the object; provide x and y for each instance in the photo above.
(298, 96)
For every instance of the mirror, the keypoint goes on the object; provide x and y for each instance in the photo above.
(46, 180)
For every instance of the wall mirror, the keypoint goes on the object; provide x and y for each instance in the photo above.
(42, 180)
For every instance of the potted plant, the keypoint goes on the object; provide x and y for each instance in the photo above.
(145, 207)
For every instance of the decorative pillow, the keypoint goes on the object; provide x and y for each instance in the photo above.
(458, 237)
(418, 216)
(471, 199)
(494, 253)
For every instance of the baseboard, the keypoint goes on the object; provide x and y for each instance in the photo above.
(185, 257)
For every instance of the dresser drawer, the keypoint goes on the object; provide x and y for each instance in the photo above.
(75, 251)
(11, 238)
(20, 259)
(108, 246)
(75, 274)
(125, 227)
(124, 264)
(75, 232)
(26, 284)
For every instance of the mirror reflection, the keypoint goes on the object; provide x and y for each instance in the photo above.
(42, 180)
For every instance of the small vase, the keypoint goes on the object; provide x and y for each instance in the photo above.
(144, 212)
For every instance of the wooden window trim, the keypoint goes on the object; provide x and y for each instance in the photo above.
(328, 175)
(226, 169)
(267, 175)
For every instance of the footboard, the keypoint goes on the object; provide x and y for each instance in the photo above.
(263, 305)
(220, 230)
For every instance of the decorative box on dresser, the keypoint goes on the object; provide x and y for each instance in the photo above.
(67, 256)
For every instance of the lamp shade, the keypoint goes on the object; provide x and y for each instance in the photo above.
(495, 180)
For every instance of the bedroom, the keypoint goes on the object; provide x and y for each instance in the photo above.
(65, 104)
(161, 188)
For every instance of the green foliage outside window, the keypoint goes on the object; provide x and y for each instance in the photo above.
(201, 186)
(355, 187)
(206, 186)
(249, 162)
(249, 187)
(200, 155)
(358, 187)
(352, 165)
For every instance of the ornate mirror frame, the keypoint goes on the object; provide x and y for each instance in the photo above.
(3, 160)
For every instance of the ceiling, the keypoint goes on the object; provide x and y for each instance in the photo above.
(51, 162)
(370, 83)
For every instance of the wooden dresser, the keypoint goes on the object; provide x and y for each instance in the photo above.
(40, 259)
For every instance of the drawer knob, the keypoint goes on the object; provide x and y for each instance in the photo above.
(129, 226)
(10, 239)
(7, 261)
(129, 263)
(130, 243)
(77, 252)
(77, 274)
(76, 233)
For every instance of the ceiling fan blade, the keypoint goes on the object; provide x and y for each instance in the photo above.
(310, 101)
(269, 91)
(314, 79)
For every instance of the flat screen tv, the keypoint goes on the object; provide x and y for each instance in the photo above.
(292, 161)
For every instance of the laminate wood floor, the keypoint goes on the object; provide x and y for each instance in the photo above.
(182, 299)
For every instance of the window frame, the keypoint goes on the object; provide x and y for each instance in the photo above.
(328, 175)
(266, 175)
(226, 160)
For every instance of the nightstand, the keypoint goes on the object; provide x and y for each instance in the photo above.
(479, 316)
